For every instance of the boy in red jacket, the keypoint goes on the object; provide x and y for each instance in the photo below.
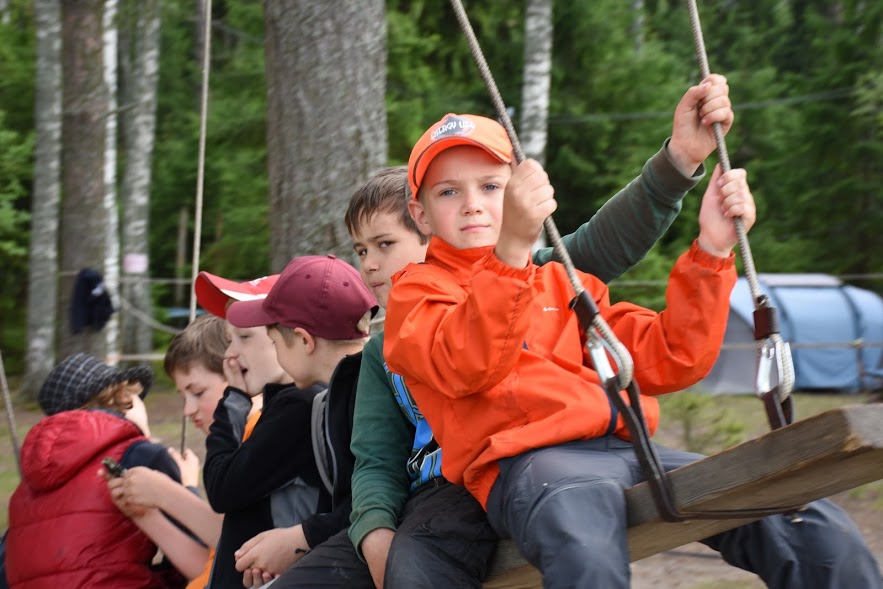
(497, 362)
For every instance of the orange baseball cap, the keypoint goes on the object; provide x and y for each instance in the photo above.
(453, 130)
(213, 293)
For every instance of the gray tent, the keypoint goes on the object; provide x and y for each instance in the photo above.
(835, 332)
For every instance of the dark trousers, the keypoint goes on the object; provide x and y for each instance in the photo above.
(565, 509)
(443, 540)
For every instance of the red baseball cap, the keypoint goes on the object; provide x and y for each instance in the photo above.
(214, 293)
(321, 294)
(453, 130)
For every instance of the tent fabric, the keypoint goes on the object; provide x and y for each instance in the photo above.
(835, 332)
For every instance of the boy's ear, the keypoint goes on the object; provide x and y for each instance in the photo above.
(307, 339)
(415, 207)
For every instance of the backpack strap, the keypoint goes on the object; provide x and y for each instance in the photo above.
(317, 433)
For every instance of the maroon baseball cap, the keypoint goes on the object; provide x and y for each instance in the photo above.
(214, 293)
(321, 294)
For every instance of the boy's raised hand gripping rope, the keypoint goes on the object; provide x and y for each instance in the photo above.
(600, 338)
(597, 330)
(773, 353)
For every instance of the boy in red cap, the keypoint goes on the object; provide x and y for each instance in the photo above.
(317, 315)
(495, 360)
(244, 478)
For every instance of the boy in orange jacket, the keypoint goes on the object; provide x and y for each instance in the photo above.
(497, 363)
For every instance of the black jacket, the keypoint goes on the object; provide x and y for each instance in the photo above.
(334, 513)
(268, 481)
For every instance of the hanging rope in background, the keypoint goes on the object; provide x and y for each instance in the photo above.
(10, 416)
(200, 173)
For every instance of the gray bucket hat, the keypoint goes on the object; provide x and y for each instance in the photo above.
(80, 377)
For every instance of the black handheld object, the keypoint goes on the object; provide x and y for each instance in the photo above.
(113, 467)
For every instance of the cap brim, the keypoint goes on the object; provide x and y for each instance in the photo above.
(210, 293)
(142, 374)
(249, 314)
(429, 154)
(215, 293)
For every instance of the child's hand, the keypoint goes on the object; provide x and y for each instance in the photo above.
(272, 552)
(143, 486)
(188, 464)
(692, 137)
(528, 200)
(727, 196)
(233, 374)
(116, 489)
(254, 578)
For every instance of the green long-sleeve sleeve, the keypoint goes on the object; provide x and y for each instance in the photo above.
(621, 233)
(381, 442)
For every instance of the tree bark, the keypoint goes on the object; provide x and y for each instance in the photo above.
(139, 123)
(537, 83)
(84, 223)
(43, 253)
(326, 118)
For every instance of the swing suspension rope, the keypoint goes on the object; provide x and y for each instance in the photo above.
(200, 173)
(600, 338)
(773, 353)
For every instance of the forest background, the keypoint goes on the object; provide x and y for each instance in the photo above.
(287, 143)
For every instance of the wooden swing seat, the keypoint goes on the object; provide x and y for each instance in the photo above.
(808, 460)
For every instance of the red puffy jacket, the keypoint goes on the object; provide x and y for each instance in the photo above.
(64, 531)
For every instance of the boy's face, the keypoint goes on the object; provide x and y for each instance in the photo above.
(385, 246)
(461, 197)
(254, 350)
(293, 358)
(138, 415)
(202, 390)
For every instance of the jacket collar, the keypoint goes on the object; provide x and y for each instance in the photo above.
(456, 261)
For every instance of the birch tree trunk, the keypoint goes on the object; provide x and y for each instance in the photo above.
(110, 36)
(83, 219)
(638, 24)
(326, 118)
(141, 73)
(537, 82)
(43, 253)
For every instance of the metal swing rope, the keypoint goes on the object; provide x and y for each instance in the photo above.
(772, 351)
(598, 331)
(200, 174)
(599, 335)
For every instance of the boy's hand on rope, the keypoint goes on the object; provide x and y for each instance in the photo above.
(528, 200)
(727, 196)
(692, 136)
(188, 464)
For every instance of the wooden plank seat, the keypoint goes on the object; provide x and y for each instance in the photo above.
(808, 460)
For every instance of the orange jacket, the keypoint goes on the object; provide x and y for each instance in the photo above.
(497, 363)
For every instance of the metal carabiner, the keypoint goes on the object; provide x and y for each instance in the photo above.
(776, 397)
(598, 354)
(766, 356)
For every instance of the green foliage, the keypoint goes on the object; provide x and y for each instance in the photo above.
(18, 66)
(15, 176)
(704, 427)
